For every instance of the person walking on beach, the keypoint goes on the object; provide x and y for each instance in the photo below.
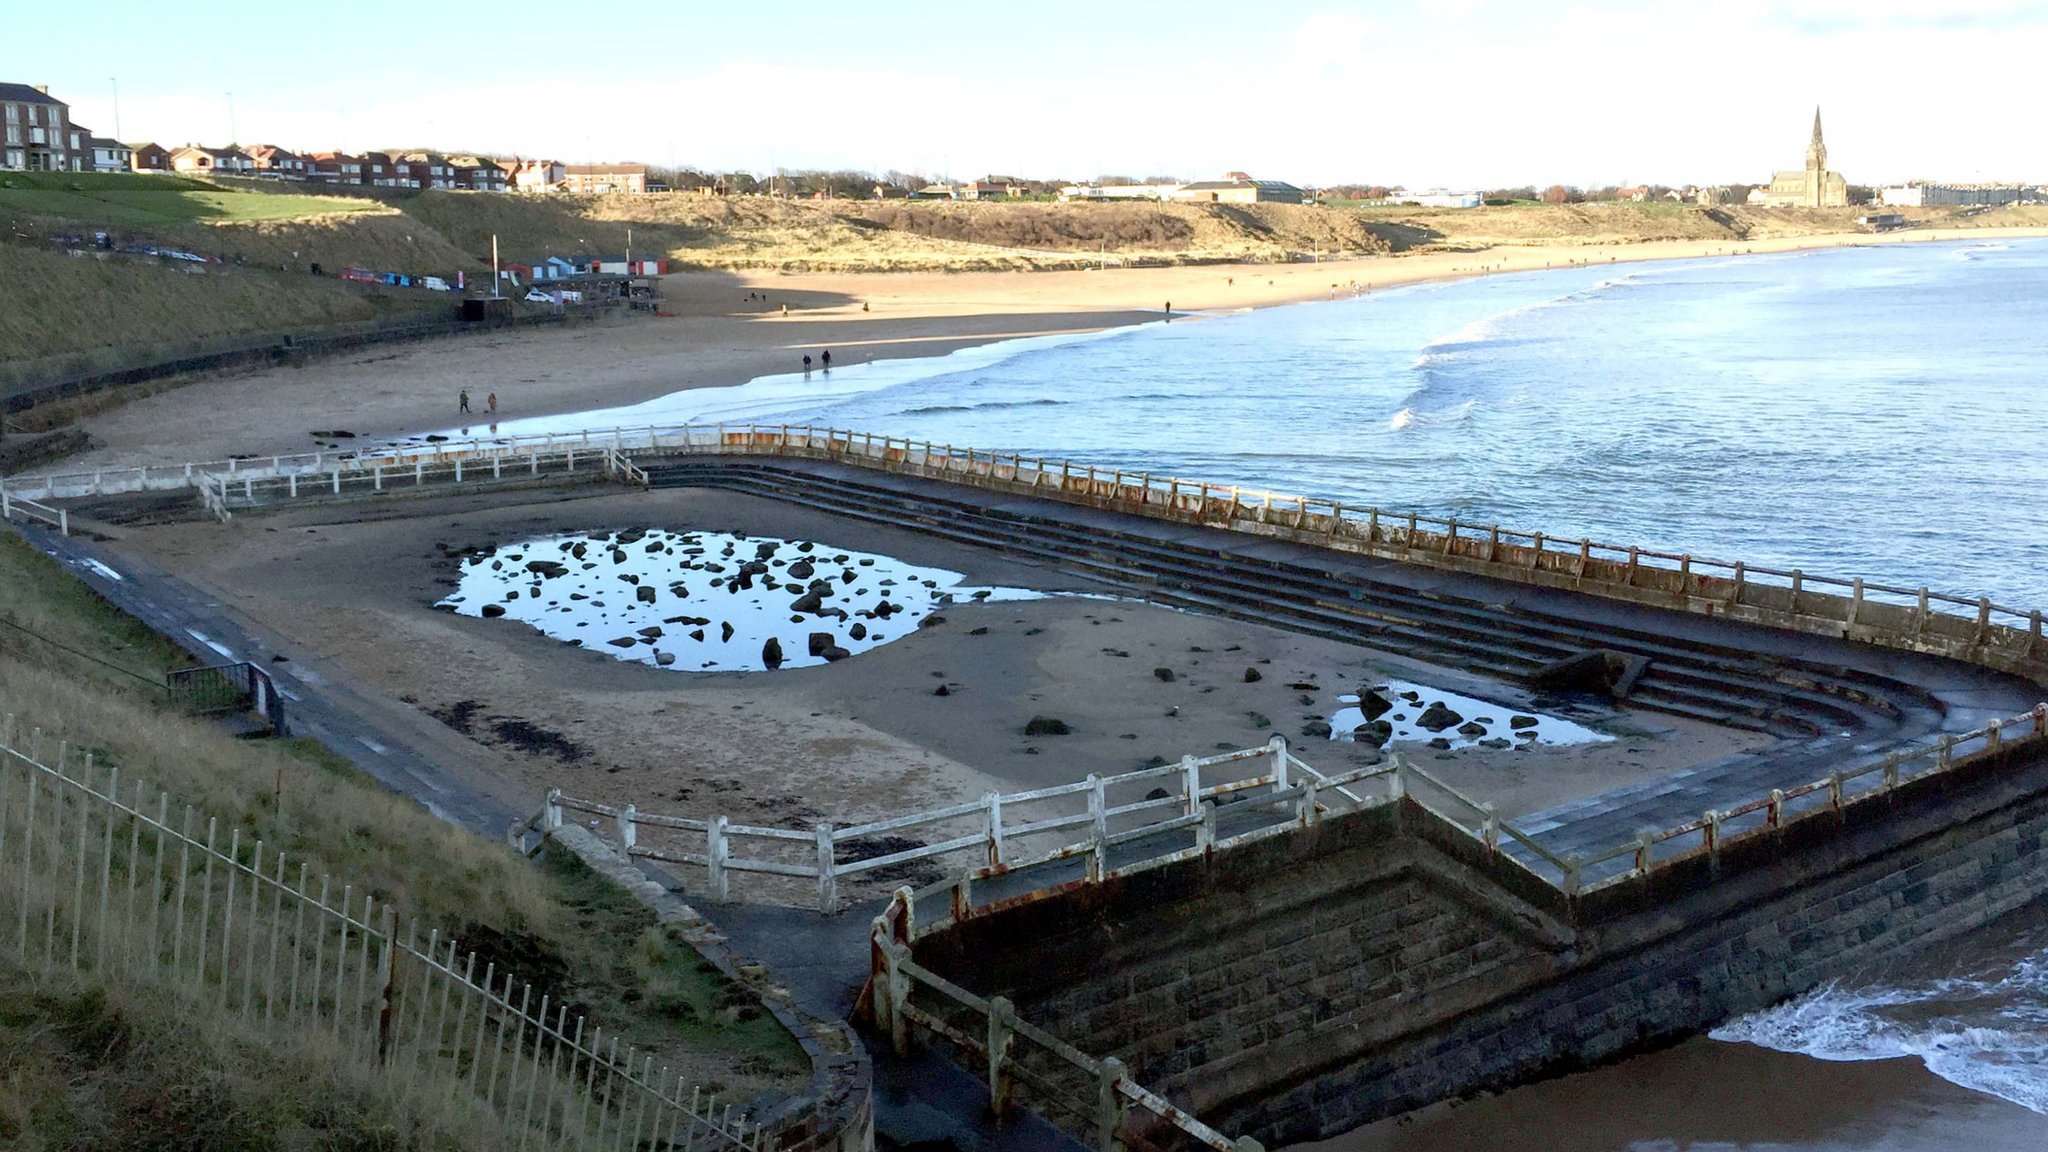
(807, 364)
(462, 401)
(491, 402)
(826, 359)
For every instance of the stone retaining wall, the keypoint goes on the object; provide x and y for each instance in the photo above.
(1371, 965)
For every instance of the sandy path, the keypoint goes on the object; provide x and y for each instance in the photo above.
(728, 328)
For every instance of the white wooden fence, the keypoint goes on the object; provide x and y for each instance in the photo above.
(130, 890)
(1200, 803)
(1972, 628)
(21, 507)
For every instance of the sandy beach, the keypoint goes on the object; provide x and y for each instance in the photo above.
(725, 328)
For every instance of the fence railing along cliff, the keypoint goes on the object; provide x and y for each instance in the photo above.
(171, 902)
(1975, 629)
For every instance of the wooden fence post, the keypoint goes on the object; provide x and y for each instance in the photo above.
(994, 831)
(1002, 1017)
(1109, 1104)
(828, 875)
(1191, 784)
(629, 831)
(715, 854)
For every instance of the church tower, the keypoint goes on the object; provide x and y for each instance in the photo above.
(1816, 151)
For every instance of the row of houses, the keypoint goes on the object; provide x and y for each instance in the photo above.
(1234, 188)
(41, 136)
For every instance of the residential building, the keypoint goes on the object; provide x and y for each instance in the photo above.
(1810, 187)
(937, 192)
(478, 173)
(428, 170)
(891, 192)
(598, 179)
(1929, 195)
(110, 155)
(270, 160)
(537, 175)
(1239, 189)
(35, 126)
(383, 170)
(148, 157)
(335, 168)
(197, 160)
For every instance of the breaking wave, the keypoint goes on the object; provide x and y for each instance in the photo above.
(1989, 1035)
(985, 406)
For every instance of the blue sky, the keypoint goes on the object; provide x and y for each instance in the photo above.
(1420, 92)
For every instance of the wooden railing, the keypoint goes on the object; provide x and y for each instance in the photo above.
(1215, 802)
(1976, 629)
(1088, 1096)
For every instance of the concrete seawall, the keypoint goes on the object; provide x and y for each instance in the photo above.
(1382, 961)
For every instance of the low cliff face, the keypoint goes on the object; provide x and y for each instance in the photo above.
(1382, 960)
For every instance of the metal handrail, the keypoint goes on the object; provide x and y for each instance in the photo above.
(1413, 532)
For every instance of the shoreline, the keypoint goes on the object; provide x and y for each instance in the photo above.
(730, 328)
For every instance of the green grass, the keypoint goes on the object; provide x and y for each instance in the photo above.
(115, 200)
(556, 925)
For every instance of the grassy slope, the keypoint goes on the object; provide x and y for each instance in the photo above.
(557, 925)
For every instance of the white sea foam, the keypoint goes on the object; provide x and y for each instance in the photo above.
(1989, 1035)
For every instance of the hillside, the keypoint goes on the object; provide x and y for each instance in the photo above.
(105, 1060)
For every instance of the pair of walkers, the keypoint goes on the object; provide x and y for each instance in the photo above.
(462, 402)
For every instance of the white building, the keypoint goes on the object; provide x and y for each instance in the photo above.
(1438, 198)
(1103, 192)
(1921, 195)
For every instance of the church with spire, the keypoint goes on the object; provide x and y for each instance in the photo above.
(1810, 187)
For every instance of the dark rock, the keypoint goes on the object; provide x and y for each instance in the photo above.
(1259, 720)
(1046, 726)
(1372, 704)
(932, 621)
(1594, 670)
(942, 690)
(835, 654)
(1306, 699)
(859, 631)
(802, 570)
(1316, 729)
(1253, 676)
(1496, 743)
(1373, 732)
(623, 641)
(1436, 718)
(1471, 730)
(977, 631)
(664, 658)
(819, 641)
(771, 653)
(494, 610)
(696, 634)
(725, 631)
(645, 594)
(1165, 674)
(1520, 722)
(1305, 686)
(652, 631)
(1440, 743)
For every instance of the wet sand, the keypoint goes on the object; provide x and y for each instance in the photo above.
(726, 328)
(1704, 1094)
(853, 740)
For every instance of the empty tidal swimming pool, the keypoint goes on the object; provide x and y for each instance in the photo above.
(709, 601)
